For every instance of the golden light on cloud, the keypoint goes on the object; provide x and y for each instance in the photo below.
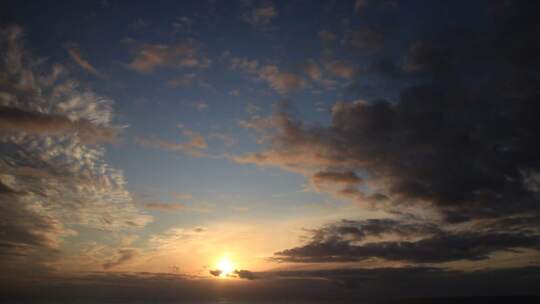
(225, 266)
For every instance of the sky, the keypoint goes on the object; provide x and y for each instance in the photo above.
(256, 150)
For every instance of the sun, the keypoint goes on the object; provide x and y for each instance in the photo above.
(226, 266)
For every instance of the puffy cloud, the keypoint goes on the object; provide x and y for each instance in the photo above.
(260, 15)
(329, 72)
(341, 68)
(244, 64)
(184, 54)
(52, 180)
(193, 147)
(460, 147)
(285, 82)
(458, 143)
(413, 155)
(282, 82)
(313, 71)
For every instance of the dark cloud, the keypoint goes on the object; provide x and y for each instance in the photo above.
(384, 67)
(461, 137)
(245, 274)
(359, 230)
(366, 40)
(425, 282)
(394, 240)
(348, 178)
(183, 54)
(342, 243)
(298, 286)
(35, 123)
(238, 273)
(29, 240)
(122, 256)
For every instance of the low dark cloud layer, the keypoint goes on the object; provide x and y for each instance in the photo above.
(28, 238)
(299, 286)
(417, 243)
(238, 273)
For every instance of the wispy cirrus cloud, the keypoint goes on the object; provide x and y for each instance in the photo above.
(55, 181)
(165, 206)
(195, 145)
(186, 80)
(184, 54)
(122, 256)
(260, 15)
(75, 52)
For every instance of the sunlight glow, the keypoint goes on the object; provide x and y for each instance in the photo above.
(225, 266)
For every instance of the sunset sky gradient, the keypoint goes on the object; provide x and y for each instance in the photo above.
(329, 150)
